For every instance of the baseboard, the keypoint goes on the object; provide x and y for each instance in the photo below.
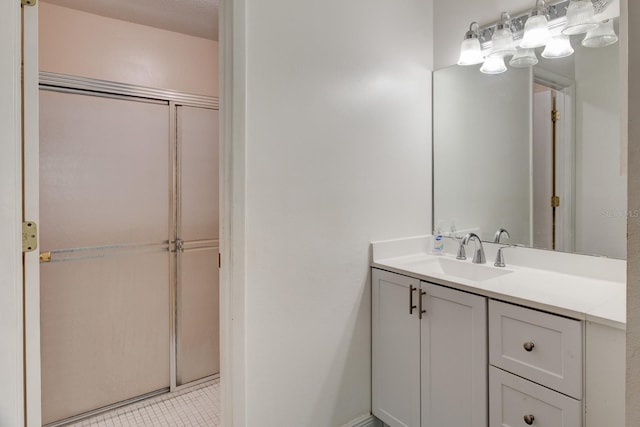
(364, 421)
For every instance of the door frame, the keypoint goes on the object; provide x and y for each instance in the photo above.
(12, 400)
(233, 181)
(31, 206)
(232, 213)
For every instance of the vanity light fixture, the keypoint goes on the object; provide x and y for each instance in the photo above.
(502, 39)
(536, 32)
(534, 29)
(558, 47)
(580, 18)
(603, 35)
(493, 65)
(470, 50)
(524, 58)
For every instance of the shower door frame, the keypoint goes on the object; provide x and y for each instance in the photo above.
(176, 224)
(94, 87)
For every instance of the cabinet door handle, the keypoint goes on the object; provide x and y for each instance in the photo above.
(529, 346)
(420, 310)
(528, 419)
(411, 305)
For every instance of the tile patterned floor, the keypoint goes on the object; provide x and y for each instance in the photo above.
(198, 406)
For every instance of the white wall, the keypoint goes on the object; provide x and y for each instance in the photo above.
(338, 150)
(11, 391)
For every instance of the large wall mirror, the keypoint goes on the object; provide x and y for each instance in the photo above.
(502, 159)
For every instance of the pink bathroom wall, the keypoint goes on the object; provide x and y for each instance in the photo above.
(83, 44)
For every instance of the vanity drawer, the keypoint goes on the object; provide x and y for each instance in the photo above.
(542, 347)
(516, 402)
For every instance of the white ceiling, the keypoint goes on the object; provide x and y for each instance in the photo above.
(194, 17)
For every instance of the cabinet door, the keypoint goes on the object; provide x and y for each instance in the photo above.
(453, 358)
(396, 350)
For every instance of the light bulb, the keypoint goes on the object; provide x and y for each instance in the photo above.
(524, 58)
(536, 33)
(580, 18)
(558, 47)
(603, 35)
(493, 65)
(470, 50)
(502, 39)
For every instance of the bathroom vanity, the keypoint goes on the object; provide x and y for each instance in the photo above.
(538, 342)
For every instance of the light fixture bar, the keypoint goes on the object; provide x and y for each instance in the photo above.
(557, 18)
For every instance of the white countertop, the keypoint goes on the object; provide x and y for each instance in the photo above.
(595, 294)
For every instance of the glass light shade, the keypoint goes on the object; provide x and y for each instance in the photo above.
(502, 43)
(580, 18)
(524, 58)
(558, 47)
(601, 36)
(493, 65)
(536, 33)
(470, 52)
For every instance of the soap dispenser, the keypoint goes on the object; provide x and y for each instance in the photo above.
(438, 242)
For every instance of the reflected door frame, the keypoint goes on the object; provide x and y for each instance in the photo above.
(565, 157)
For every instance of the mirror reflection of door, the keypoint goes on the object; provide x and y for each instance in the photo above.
(550, 146)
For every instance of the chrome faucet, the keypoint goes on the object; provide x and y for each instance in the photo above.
(499, 233)
(478, 254)
(500, 258)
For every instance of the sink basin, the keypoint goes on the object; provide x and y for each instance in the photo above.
(459, 269)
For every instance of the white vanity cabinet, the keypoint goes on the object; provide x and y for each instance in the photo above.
(429, 354)
(448, 358)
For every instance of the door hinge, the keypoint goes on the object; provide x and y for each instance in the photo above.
(29, 236)
(555, 115)
(555, 201)
(219, 260)
(29, 2)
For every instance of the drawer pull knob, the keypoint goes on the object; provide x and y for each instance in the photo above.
(529, 419)
(529, 346)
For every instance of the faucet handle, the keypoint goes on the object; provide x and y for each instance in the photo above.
(500, 258)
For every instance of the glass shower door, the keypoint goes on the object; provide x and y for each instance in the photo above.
(105, 282)
(197, 299)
